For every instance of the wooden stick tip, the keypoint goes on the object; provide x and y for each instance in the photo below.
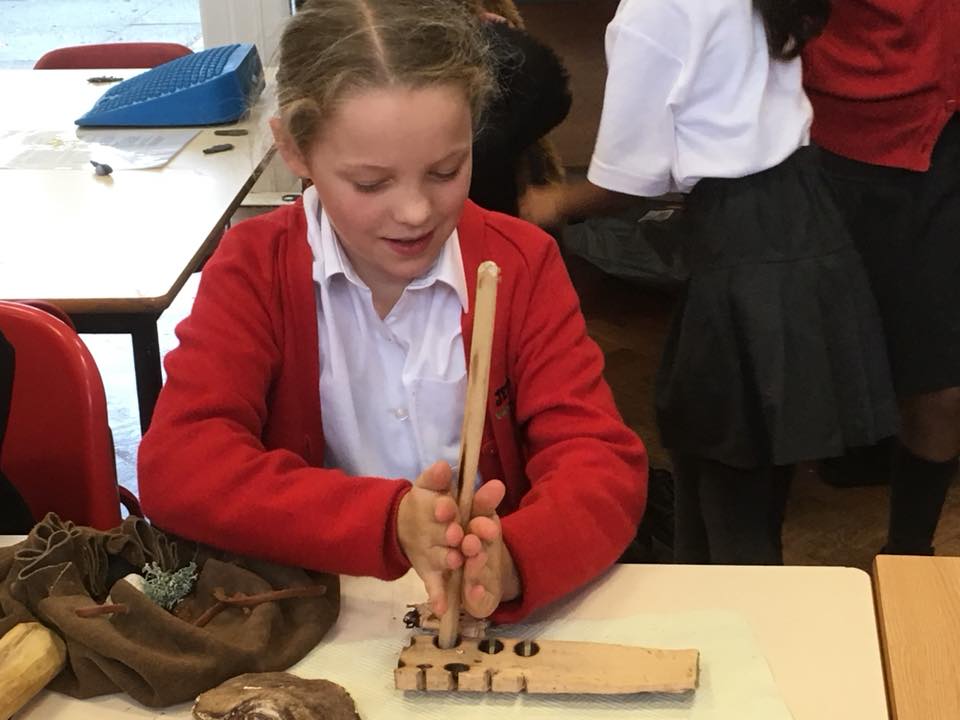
(489, 269)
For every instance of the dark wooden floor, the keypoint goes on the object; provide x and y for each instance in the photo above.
(825, 525)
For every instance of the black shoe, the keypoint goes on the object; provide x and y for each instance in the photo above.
(860, 467)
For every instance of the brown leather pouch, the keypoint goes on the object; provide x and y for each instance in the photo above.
(156, 656)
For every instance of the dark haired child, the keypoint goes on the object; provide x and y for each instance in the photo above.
(776, 354)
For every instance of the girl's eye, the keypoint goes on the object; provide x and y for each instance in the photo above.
(445, 176)
(369, 187)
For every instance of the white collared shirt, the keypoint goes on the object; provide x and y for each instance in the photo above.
(392, 390)
(693, 93)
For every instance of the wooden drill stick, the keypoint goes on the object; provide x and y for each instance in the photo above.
(474, 412)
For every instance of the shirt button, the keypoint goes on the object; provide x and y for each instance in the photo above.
(951, 105)
(400, 413)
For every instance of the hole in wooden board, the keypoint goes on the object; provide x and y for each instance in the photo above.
(526, 648)
(490, 646)
(422, 675)
(455, 669)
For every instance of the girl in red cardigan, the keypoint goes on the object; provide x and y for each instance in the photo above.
(313, 407)
(884, 79)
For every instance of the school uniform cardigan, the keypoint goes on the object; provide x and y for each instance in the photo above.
(884, 79)
(234, 454)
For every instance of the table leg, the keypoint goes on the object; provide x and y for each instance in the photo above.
(146, 351)
(146, 363)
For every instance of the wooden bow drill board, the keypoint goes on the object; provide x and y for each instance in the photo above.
(544, 666)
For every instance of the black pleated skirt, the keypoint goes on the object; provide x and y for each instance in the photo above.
(776, 354)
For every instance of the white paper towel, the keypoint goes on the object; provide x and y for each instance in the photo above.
(735, 680)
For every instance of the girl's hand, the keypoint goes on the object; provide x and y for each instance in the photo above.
(489, 575)
(493, 17)
(429, 531)
(543, 205)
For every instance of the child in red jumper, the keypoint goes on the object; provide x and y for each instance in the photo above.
(313, 407)
(884, 79)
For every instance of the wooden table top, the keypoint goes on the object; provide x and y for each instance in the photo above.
(918, 611)
(124, 242)
(814, 626)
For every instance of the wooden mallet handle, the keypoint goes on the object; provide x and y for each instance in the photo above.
(471, 434)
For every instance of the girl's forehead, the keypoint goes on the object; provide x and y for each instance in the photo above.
(372, 116)
(400, 95)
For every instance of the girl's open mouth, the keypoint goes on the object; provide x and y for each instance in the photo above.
(410, 246)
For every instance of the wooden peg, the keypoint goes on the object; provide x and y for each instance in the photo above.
(471, 433)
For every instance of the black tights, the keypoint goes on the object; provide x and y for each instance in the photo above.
(728, 516)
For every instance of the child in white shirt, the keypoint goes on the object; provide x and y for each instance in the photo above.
(776, 354)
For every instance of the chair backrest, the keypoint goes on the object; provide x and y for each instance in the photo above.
(58, 449)
(112, 55)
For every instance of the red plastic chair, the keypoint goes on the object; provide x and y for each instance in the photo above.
(112, 55)
(58, 450)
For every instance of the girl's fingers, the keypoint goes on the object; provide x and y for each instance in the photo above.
(434, 536)
(439, 561)
(471, 546)
(453, 535)
(441, 558)
(436, 478)
(446, 547)
(453, 559)
(479, 600)
(436, 592)
(474, 567)
(445, 509)
(478, 595)
(488, 497)
(481, 533)
(485, 528)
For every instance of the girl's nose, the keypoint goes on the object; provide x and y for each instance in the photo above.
(413, 209)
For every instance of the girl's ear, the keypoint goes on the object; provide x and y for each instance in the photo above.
(288, 149)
